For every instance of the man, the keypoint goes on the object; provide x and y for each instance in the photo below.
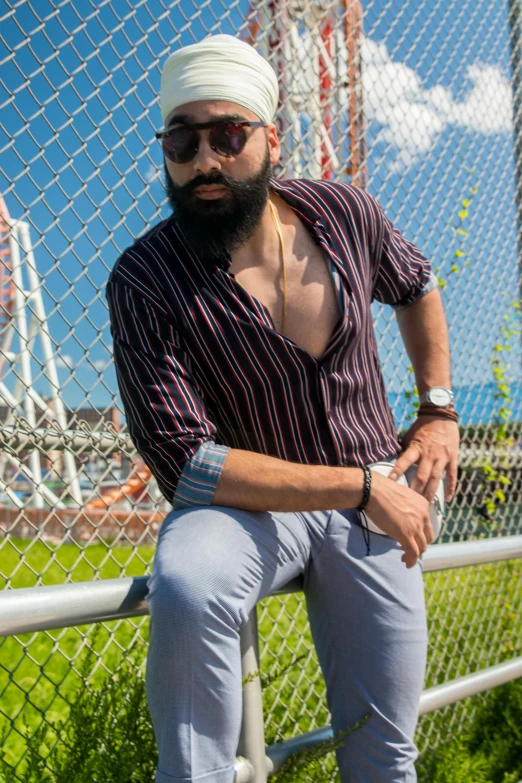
(248, 368)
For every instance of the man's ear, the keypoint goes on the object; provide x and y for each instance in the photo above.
(274, 147)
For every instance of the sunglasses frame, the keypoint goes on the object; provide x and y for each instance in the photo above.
(207, 126)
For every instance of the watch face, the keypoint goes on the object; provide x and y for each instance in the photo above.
(440, 397)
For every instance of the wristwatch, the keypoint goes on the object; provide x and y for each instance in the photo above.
(439, 396)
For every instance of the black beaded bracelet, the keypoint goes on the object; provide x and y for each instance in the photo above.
(367, 488)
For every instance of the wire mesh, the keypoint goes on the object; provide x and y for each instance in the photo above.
(412, 101)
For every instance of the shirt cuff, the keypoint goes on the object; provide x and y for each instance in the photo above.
(429, 286)
(200, 476)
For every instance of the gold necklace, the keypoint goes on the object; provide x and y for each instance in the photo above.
(283, 260)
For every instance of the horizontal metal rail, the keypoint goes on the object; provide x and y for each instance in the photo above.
(431, 699)
(57, 606)
(456, 690)
(458, 554)
(14, 438)
(22, 436)
(31, 609)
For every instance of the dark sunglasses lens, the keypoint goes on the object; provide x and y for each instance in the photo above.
(228, 138)
(181, 145)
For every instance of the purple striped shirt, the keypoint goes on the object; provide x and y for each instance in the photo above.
(201, 368)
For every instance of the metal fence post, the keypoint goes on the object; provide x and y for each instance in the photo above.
(252, 739)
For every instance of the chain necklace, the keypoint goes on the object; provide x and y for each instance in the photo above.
(283, 260)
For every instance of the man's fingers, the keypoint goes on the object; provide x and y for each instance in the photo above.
(421, 542)
(410, 558)
(433, 482)
(405, 461)
(428, 532)
(422, 476)
(451, 479)
(413, 548)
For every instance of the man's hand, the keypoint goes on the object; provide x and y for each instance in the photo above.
(402, 514)
(433, 444)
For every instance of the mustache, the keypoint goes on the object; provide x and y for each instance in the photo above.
(214, 178)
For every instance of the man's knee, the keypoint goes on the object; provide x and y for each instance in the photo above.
(195, 572)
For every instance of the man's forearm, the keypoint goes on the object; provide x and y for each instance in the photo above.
(425, 335)
(260, 483)
(431, 443)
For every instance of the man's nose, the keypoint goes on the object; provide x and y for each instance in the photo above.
(206, 159)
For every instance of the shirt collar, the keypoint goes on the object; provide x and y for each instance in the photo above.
(306, 211)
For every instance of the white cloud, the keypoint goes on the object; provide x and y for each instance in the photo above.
(100, 364)
(64, 361)
(488, 107)
(409, 115)
(152, 173)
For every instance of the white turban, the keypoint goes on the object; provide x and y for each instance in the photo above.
(220, 67)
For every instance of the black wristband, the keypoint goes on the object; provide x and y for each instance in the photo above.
(367, 488)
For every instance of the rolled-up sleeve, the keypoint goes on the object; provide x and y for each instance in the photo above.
(166, 415)
(402, 275)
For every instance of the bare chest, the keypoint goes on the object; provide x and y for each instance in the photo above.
(311, 299)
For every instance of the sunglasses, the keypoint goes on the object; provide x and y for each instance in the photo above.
(227, 138)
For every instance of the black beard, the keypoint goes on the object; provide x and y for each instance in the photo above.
(214, 227)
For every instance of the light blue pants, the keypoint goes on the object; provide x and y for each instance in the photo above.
(366, 612)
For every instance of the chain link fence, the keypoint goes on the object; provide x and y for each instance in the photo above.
(412, 101)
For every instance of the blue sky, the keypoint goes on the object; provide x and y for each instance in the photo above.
(80, 162)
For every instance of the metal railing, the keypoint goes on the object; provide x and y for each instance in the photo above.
(58, 606)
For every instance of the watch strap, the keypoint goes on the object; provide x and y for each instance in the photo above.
(439, 413)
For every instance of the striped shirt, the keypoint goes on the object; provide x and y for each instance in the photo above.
(201, 368)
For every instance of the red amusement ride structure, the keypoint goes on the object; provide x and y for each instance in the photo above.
(315, 48)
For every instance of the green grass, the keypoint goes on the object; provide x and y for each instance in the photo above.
(25, 560)
(472, 619)
(39, 672)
